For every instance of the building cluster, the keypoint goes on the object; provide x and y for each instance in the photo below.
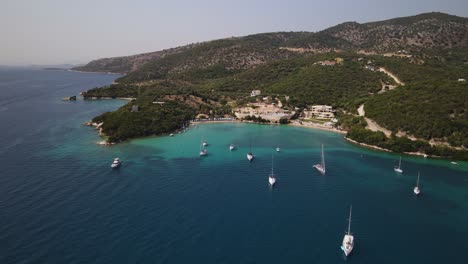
(271, 112)
(320, 112)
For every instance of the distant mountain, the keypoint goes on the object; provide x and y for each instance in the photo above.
(126, 64)
(416, 33)
(424, 31)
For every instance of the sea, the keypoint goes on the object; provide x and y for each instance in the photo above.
(60, 201)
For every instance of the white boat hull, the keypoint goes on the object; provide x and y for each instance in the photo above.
(250, 157)
(348, 244)
(271, 180)
(319, 168)
(231, 148)
(416, 190)
(397, 170)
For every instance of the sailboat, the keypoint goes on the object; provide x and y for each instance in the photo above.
(348, 239)
(232, 147)
(204, 143)
(250, 155)
(203, 151)
(416, 189)
(398, 169)
(272, 177)
(321, 167)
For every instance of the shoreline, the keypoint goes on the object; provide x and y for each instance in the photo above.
(367, 145)
(317, 126)
(107, 98)
(420, 154)
(295, 124)
(113, 73)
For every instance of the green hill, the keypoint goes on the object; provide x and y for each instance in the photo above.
(334, 67)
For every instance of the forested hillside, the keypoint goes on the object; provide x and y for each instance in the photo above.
(339, 66)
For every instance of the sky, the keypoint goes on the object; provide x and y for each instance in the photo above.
(50, 32)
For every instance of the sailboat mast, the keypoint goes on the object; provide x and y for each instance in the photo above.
(417, 182)
(272, 173)
(323, 159)
(399, 164)
(349, 220)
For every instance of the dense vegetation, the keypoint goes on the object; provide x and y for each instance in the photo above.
(151, 119)
(432, 104)
(257, 119)
(343, 85)
(357, 132)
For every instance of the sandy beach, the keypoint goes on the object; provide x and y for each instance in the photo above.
(316, 126)
(293, 123)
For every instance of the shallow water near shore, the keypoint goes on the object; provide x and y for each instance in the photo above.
(60, 202)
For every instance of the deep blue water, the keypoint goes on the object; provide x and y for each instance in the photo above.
(61, 203)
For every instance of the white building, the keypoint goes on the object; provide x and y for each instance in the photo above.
(462, 80)
(320, 111)
(255, 93)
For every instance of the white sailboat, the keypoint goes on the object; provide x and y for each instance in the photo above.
(416, 189)
(272, 177)
(278, 149)
(321, 167)
(232, 147)
(398, 169)
(204, 143)
(348, 240)
(203, 151)
(250, 155)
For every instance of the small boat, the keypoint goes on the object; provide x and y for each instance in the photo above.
(272, 177)
(116, 163)
(321, 166)
(416, 189)
(348, 240)
(250, 155)
(425, 156)
(203, 151)
(278, 149)
(171, 135)
(232, 147)
(204, 143)
(398, 169)
(454, 163)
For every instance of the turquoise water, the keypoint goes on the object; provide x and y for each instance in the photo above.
(61, 203)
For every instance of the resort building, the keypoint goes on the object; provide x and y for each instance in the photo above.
(255, 93)
(269, 112)
(320, 111)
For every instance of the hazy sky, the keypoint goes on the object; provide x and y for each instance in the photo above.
(76, 31)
